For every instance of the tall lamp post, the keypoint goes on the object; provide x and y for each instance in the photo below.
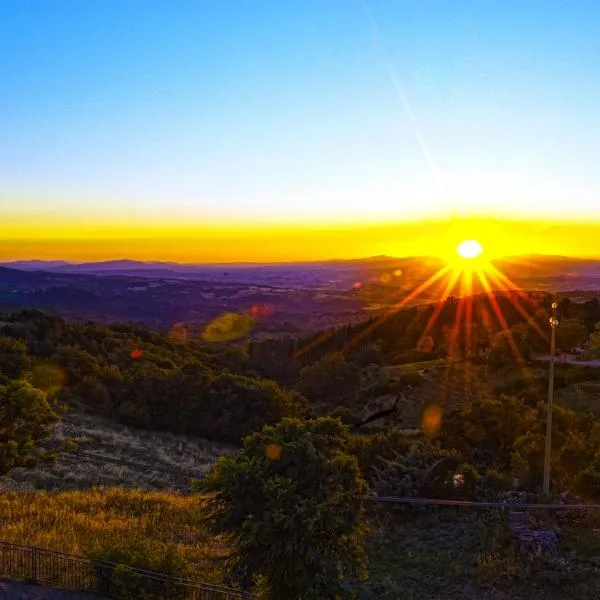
(553, 325)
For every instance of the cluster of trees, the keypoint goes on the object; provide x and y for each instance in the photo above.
(294, 499)
(144, 378)
(26, 412)
(399, 338)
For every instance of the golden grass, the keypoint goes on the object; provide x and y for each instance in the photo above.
(84, 523)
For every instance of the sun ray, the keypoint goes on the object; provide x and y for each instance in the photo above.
(495, 276)
(463, 271)
(506, 281)
(454, 332)
(440, 304)
(322, 338)
(498, 312)
(399, 305)
(468, 283)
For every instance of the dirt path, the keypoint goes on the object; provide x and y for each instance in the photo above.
(14, 590)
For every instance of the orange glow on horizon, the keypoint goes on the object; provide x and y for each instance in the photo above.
(285, 242)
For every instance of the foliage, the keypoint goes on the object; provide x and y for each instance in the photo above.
(331, 380)
(595, 337)
(370, 450)
(484, 432)
(525, 385)
(197, 401)
(572, 448)
(509, 347)
(14, 358)
(570, 333)
(25, 419)
(128, 584)
(292, 501)
(144, 378)
(588, 481)
(426, 471)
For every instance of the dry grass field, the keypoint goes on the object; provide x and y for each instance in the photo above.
(147, 528)
(156, 461)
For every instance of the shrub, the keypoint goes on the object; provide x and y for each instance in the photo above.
(292, 500)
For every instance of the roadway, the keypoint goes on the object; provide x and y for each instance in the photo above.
(570, 359)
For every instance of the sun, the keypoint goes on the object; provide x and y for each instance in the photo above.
(469, 249)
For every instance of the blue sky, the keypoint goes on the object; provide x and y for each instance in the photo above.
(316, 110)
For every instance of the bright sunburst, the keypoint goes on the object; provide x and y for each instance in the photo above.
(467, 275)
(469, 249)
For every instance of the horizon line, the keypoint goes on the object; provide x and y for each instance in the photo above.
(8, 263)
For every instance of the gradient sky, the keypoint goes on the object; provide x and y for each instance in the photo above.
(169, 129)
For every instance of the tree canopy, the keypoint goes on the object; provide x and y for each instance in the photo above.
(25, 419)
(292, 501)
(331, 379)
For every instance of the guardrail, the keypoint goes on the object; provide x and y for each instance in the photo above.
(55, 569)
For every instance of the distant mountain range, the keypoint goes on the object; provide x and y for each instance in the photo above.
(329, 274)
(291, 298)
(333, 273)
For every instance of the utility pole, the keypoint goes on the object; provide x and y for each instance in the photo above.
(553, 325)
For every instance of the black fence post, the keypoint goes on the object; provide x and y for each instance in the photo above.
(34, 565)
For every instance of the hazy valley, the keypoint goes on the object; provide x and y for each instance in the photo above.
(289, 299)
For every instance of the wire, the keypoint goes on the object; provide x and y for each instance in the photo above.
(473, 504)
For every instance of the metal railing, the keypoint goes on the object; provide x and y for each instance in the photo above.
(55, 569)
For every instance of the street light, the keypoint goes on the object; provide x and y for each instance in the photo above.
(553, 325)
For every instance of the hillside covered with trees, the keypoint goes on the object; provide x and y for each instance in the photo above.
(409, 407)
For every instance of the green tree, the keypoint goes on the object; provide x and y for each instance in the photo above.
(509, 347)
(292, 502)
(425, 470)
(573, 448)
(485, 431)
(25, 419)
(331, 380)
(14, 358)
(77, 362)
(570, 333)
(595, 337)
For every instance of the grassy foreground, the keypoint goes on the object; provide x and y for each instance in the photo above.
(414, 554)
(153, 530)
(452, 554)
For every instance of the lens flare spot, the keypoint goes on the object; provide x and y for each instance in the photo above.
(228, 327)
(261, 311)
(432, 420)
(398, 273)
(136, 353)
(48, 377)
(357, 285)
(458, 479)
(273, 451)
(385, 278)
